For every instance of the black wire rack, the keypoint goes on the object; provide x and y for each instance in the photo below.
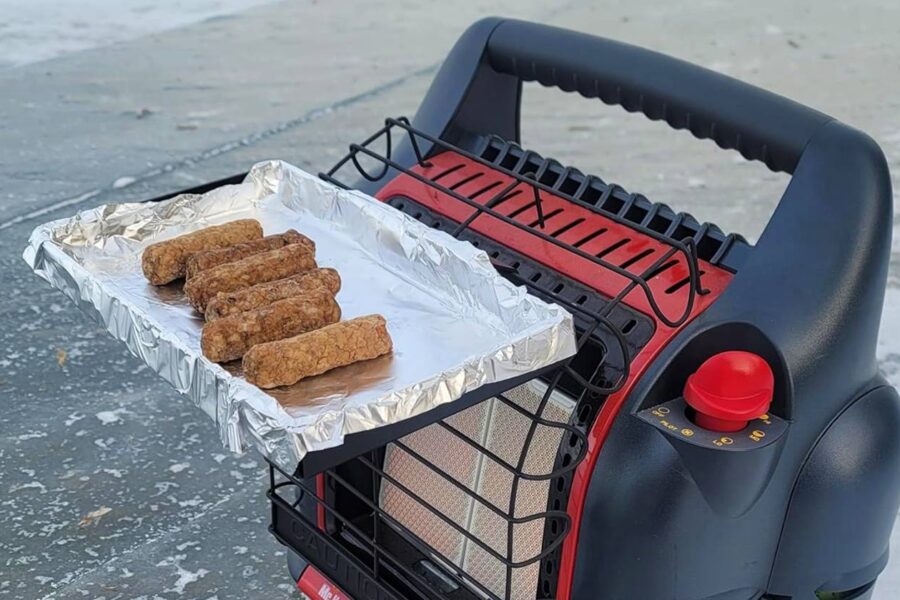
(685, 247)
(386, 547)
(343, 503)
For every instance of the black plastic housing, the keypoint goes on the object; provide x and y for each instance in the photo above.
(664, 520)
(808, 297)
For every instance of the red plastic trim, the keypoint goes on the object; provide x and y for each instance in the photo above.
(617, 242)
(317, 587)
(596, 437)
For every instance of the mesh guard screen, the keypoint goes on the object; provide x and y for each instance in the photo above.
(501, 430)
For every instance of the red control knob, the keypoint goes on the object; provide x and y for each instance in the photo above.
(729, 390)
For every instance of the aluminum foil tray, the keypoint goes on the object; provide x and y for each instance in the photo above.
(456, 324)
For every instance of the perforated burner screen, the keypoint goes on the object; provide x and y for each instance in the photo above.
(501, 430)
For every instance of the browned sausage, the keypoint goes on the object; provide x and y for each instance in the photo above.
(232, 303)
(164, 262)
(201, 261)
(230, 337)
(287, 361)
(258, 268)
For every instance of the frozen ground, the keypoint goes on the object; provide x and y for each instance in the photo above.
(35, 30)
(111, 485)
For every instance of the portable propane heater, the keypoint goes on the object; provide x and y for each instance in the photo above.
(722, 433)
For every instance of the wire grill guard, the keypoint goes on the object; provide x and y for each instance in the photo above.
(358, 504)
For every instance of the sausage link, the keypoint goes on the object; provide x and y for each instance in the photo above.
(230, 337)
(232, 303)
(258, 268)
(164, 262)
(287, 361)
(207, 259)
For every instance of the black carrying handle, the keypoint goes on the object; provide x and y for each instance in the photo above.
(759, 124)
(814, 280)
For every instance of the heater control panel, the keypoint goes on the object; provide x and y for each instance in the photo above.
(672, 418)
